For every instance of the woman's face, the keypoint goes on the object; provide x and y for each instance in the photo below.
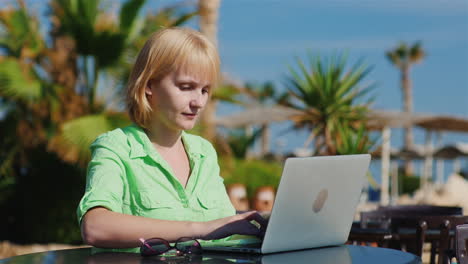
(177, 100)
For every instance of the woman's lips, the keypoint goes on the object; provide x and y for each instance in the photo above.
(189, 115)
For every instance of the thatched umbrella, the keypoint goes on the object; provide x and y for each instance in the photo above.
(377, 120)
(452, 151)
(257, 115)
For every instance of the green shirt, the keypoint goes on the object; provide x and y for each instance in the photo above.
(127, 175)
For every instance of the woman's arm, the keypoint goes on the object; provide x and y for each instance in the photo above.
(103, 228)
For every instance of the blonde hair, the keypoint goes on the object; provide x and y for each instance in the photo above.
(166, 51)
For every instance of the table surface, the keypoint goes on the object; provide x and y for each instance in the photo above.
(340, 254)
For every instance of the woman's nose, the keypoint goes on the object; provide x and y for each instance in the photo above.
(198, 100)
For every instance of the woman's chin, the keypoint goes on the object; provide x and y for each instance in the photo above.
(187, 126)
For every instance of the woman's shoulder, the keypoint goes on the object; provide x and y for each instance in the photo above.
(116, 139)
(196, 139)
(199, 144)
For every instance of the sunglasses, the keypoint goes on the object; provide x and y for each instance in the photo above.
(158, 246)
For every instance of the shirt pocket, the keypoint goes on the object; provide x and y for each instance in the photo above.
(208, 202)
(159, 207)
(213, 204)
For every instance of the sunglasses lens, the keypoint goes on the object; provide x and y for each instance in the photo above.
(188, 245)
(154, 246)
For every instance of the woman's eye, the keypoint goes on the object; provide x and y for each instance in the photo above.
(185, 87)
(205, 91)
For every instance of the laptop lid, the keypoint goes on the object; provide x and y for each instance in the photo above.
(315, 202)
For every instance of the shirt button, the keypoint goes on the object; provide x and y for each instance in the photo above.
(185, 205)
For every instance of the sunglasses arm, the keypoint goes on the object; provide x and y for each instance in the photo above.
(146, 245)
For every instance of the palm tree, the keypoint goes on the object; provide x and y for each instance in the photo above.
(33, 100)
(354, 140)
(262, 94)
(60, 83)
(328, 96)
(49, 105)
(208, 11)
(25, 100)
(239, 141)
(403, 57)
(116, 44)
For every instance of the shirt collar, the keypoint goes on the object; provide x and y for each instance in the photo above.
(193, 146)
(141, 146)
(137, 141)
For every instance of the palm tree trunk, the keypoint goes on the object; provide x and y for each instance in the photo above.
(408, 109)
(208, 10)
(265, 140)
(317, 145)
(329, 142)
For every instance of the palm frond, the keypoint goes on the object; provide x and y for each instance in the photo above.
(21, 34)
(226, 93)
(78, 134)
(327, 95)
(78, 18)
(405, 55)
(18, 82)
(354, 141)
(239, 141)
(394, 59)
(416, 53)
(402, 51)
(130, 23)
(128, 14)
(182, 19)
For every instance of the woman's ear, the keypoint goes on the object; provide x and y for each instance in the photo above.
(148, 90)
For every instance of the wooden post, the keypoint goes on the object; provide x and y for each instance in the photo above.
(208, 20)
(440, 171)
(439, 162)
(384, 198)
(394, 177)
(456, 165)
(428, 160)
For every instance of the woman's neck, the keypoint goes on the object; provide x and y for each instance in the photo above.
(163, 137)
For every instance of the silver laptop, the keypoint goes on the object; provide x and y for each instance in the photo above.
(336, 254)
(314, 206)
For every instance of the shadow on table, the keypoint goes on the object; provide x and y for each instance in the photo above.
(133, 258)
(323, 255)
(337, 254)
(129, 258)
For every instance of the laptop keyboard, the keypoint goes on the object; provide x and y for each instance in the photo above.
(253, 245)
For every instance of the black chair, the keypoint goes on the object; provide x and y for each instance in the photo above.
(461, 246)
(413, 231)
(377, 227)
(422, 209)
(381, 217)
(369, 236)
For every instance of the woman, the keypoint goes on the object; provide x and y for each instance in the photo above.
(152, 179)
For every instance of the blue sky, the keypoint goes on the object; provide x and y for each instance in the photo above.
(259, 39)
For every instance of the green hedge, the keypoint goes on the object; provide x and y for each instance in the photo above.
(252, 173)
(408, 184)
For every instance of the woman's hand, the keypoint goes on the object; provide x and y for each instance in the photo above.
(249, 223)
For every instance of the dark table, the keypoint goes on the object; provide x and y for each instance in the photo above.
(384, 237)
(346, 254)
